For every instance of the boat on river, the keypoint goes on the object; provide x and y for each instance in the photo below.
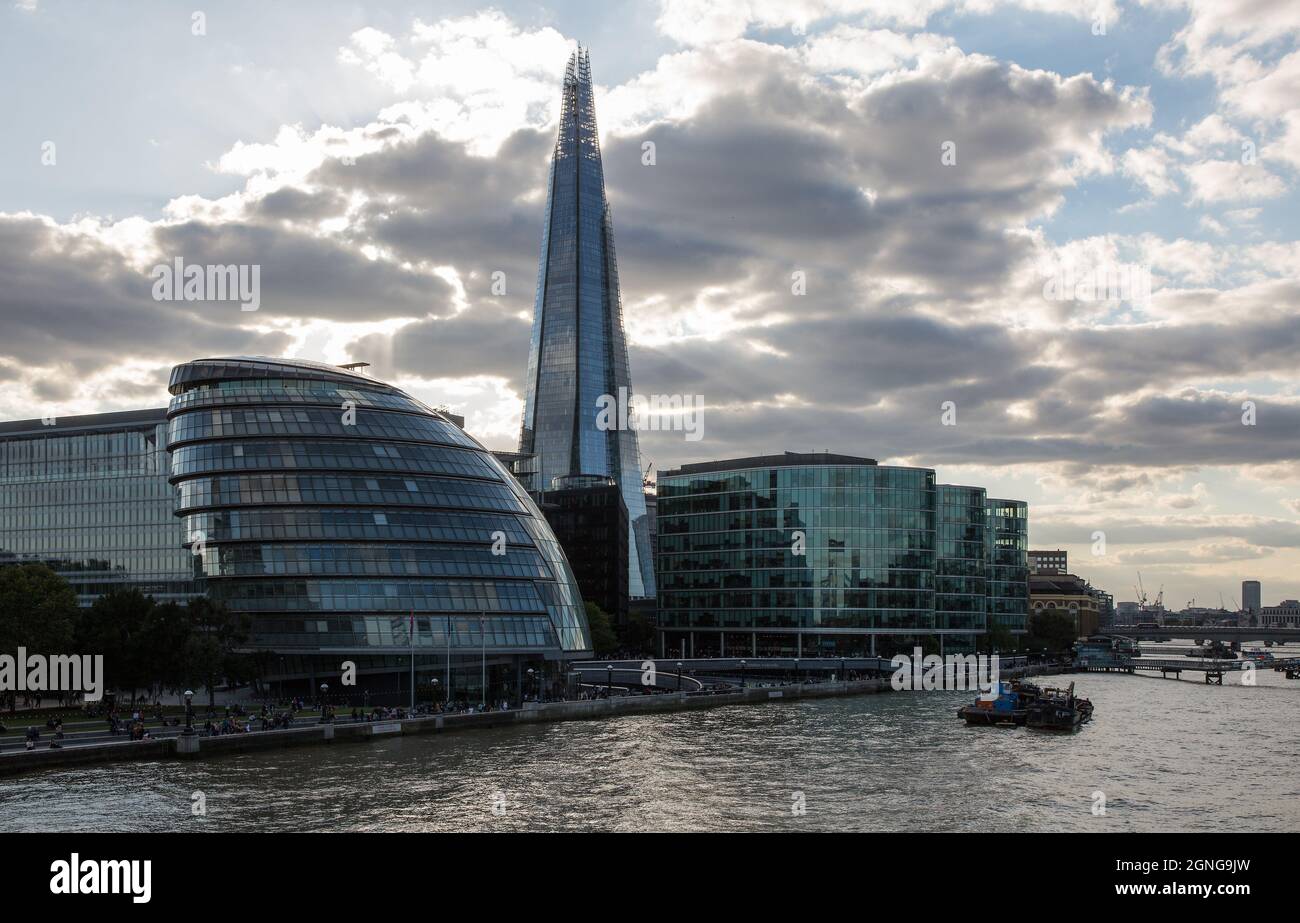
(1009, 708)
(1058, 710)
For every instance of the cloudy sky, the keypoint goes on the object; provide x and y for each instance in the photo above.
(950, 176)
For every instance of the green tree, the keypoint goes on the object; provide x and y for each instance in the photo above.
(38, 611)
(116, 626)
(998, 637)
(636, 634)
(166, 634)
(603, 639)
(213, 648)
(1051, 629)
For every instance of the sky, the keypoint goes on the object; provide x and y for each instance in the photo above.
(947, 178)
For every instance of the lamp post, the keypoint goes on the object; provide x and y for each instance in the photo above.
(844, 676)
(531, 676)
(324, 689)
(742, 674)
(679, 676)
(433, 688)
(609, 681)
(796, 671)
(189, 713)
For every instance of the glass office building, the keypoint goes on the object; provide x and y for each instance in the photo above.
(578, 352)
(830, 555)
(89, 496)
(352, 522)
(1007, 541)
(961, 565)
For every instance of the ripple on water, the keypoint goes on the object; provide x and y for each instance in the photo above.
(1163, 752)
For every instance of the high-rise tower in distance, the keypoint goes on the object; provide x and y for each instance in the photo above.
(578, 352)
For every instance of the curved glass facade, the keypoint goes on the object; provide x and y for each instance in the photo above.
(346, 517)
(796, 555)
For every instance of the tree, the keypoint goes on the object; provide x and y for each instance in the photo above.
(38, 610)
(998, 637)
(636, 634)
(116, 626)
(603, 639)
(166, 634)
(1051, 629)
(212, 648)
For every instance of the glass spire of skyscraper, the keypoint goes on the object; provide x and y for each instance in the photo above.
(577, 358)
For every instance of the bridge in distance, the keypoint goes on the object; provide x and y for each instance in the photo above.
(1205, 633)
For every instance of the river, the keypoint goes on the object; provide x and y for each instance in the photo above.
(1166, 755)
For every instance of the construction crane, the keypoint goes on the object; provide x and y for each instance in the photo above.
(1141, 593)
(645, 478)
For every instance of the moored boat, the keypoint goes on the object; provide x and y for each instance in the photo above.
(1008, 708)
(1058, 710)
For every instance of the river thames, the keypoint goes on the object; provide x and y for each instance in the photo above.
(1166, 755)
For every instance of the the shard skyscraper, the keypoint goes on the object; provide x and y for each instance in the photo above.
(578, 353)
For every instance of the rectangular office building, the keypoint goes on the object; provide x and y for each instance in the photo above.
(821, 555)
(88, 495)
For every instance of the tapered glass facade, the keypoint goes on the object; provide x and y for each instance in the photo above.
(578, 352)
(826, 555)
(89, 496)
(346, 517)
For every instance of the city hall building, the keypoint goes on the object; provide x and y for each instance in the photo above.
(352, 522)
(812, 555)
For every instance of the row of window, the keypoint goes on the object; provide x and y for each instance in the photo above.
(308, 523)
(758, 479)
(372, 561)
(303, 421)
(802, 500)
(206, 458)
(263, 490)
(895, 620)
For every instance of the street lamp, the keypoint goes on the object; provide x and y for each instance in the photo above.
(796, 671)
(844, 676)
(189, 713)
(433, 687)
(533, 674)
(679, 676)
(609, 681)
(742, 674)
(324, 688)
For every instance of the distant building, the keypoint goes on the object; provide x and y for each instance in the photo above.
(1127, 613)
(1284, 615)
(1250, 597)
(1048, 562)
(1071, 596)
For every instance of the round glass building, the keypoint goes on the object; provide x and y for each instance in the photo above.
(353, 523)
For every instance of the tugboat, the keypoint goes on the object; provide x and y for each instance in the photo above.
(1058, 710)
(1010, 708)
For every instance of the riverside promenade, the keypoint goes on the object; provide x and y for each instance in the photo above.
(198, 746)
